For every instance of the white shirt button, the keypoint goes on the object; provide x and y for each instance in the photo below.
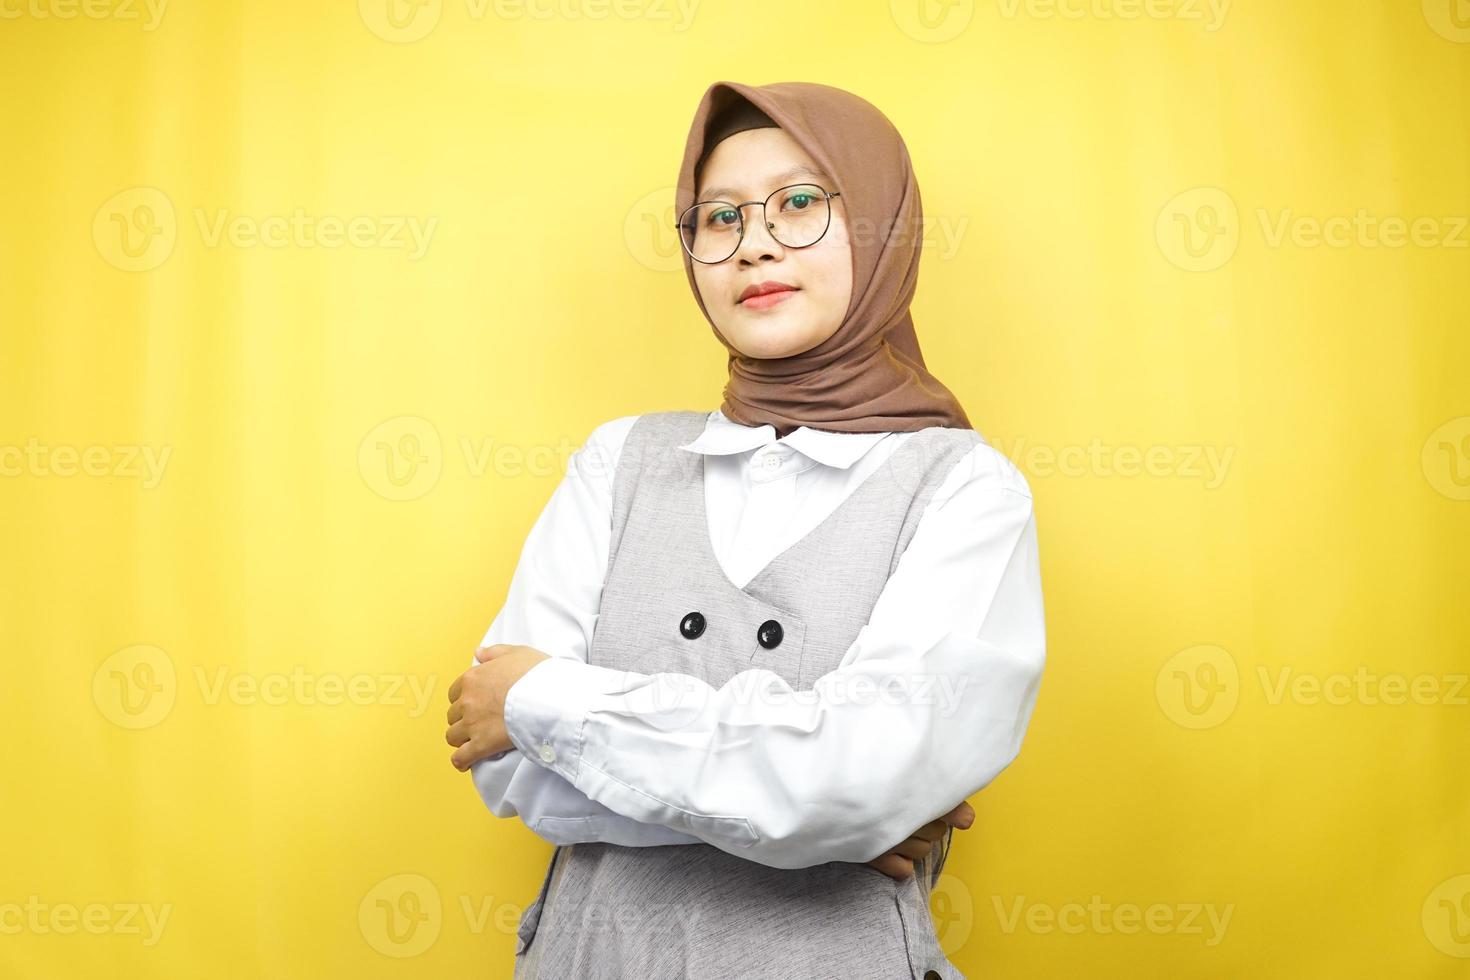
(548, 754)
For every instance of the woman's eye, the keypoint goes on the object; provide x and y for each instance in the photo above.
(800, 202)
(723, 218)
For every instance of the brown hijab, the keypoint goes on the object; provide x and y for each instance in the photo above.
(869, 376)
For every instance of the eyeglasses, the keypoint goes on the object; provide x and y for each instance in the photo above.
(711, 231)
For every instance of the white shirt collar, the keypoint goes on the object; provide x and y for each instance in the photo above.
(723, 436)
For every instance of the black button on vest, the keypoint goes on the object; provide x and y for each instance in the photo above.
(692, 625)
(769, 635)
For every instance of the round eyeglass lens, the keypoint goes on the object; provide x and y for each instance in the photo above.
(798, 216)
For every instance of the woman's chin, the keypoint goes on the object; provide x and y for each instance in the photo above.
(764, 345)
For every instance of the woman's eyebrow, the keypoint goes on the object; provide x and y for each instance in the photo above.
(794, 172)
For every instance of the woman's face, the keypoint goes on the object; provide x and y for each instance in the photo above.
(748, 166)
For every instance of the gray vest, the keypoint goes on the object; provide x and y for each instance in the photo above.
(694, 911)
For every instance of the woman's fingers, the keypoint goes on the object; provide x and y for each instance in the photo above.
(915, 848)
(933, 830)
(961, 817)
(893, 865)
(899, 862)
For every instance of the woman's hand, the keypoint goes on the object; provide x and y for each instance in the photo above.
(477, 702)
(899, 862)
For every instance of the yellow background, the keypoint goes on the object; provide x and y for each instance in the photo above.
(1121, 202)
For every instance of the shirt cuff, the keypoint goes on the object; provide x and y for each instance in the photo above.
(546, 711)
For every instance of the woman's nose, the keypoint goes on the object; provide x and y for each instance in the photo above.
(758, 241)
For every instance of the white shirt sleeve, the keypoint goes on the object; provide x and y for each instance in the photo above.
(552, 605)
(928, 705)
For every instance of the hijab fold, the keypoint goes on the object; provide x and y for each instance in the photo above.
(869, 376)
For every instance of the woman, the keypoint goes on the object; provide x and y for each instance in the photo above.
(747, 652)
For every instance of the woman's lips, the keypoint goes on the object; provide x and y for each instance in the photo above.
(766, 300)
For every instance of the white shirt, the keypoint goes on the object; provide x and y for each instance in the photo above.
(789, 779)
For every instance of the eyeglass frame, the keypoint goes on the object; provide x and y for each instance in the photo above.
(740, 210)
